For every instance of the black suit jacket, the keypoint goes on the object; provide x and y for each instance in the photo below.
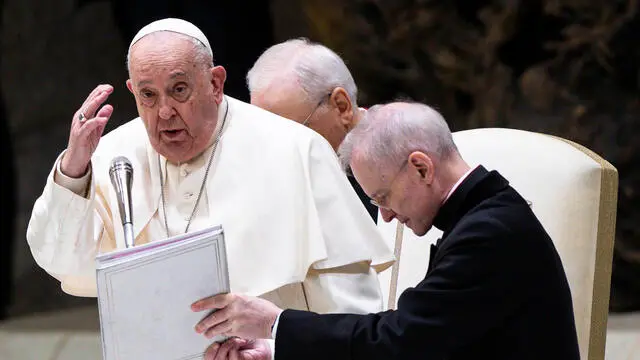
(495, 289)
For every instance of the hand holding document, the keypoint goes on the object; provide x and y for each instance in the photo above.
(145, 293)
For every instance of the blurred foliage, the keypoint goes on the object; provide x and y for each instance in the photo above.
(565, 67)
(473, 58)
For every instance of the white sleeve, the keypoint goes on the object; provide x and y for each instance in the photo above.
(349, 234)
(65, 229)
(352, 289)
(79, 186)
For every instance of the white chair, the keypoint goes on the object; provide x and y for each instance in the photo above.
(573, 192)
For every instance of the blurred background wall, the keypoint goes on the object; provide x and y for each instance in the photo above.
(563, 67)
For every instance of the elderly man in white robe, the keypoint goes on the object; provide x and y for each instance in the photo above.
(295, 231)
(309, 83)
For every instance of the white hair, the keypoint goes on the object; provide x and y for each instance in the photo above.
(316, 68)
(202, 52)
(388, 134)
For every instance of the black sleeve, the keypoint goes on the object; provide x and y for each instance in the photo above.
(476, 283)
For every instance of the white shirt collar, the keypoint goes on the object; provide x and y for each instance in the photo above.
(455, 186)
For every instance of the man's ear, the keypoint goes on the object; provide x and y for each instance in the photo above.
(342, 102)
(423, 165)
(218, 77)
(130, 85)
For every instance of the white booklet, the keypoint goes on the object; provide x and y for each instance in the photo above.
(145, 295)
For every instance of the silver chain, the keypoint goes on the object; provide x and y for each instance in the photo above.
(204, 181)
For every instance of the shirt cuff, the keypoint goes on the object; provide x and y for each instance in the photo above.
(272, 346)
(275, 326)
(77, 185)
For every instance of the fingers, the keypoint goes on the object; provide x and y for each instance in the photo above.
(242, 343)
(239, 352)
(213, 302)
(105, 112)
(212, 351)
(215, 318)
(234, 354)
(89, 108)
(104, 88)
(97, 89)
(95, 127)
(228, 347)
(224, 351)
(90, 124)
(223, 328)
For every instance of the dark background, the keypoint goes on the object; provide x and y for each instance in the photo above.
(567, 68)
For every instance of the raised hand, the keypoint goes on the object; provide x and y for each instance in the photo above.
(86, 129)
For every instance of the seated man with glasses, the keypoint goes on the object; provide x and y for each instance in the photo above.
(310, 84)
(495, 287)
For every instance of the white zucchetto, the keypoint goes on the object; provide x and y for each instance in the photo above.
(175, 25)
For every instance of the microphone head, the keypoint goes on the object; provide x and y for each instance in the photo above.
(120, 163)
(121, 174)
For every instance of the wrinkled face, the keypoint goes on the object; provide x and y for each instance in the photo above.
(177, 94)
(401, 191)
(331, 116)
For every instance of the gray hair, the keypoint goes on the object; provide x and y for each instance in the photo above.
(316, 68)
(202, 54)
(387, 134)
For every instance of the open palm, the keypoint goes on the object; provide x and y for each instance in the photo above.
(86, 129)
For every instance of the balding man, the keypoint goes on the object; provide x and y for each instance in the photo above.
(309, 83)
(495, 287)
(295, 232)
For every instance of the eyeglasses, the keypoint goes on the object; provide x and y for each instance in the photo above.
(306, 120)
(382, 203)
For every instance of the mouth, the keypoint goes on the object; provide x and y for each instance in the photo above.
(173, 134)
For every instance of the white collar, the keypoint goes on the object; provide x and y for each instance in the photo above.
(455, 186)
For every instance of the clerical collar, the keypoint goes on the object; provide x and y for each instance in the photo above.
(455, 186)
(478, 185)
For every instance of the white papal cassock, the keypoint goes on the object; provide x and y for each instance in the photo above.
(296, 233)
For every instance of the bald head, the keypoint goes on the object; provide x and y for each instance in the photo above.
(308, 83)
(389, 133)
(312, 68)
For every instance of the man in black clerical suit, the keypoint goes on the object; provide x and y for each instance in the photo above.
(310, 84)
(495, 287)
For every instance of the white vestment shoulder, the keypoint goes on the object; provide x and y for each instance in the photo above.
(275, 186)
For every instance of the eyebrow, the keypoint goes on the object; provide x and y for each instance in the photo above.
(178, 74)
(172, 76)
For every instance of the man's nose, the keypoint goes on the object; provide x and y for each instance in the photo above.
(167, 111)
(387, 214)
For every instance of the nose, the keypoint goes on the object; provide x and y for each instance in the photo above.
(167, 111)
(387, 214)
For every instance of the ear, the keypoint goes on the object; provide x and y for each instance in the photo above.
(130, 85)
(423, 165)
(342, 102)
(218, 77)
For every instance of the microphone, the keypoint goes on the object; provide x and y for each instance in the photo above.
(121, 174)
